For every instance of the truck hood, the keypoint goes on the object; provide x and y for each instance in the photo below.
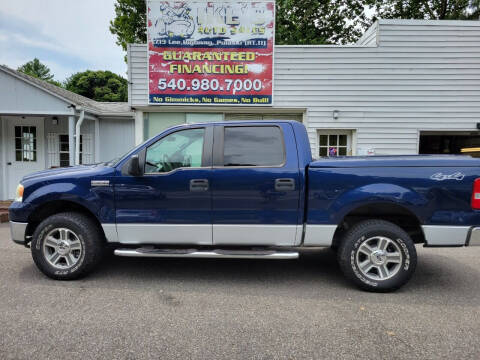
(78, 170)
(453, 161)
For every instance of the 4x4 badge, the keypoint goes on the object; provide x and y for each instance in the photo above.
(440, 177)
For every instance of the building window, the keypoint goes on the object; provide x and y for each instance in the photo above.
(334, 143)
(25, 143)
(64, 150)
(196, 118)
(273, 116)
(156, 122)
(450, 142)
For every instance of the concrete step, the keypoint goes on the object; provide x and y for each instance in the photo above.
(4, 205)
(3, 216)
(4, 211)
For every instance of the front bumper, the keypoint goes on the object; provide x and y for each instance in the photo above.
(474, 237)
(17, 231)
(20, 211)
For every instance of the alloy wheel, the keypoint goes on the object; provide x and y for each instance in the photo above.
(379, 258)
(62, 248)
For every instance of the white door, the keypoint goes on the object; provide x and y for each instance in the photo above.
(25, 149)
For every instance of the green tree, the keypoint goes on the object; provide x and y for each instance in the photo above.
(38, 70)
(297, 21)
(98, 85)
(427, 9)
(305, 22)
(129, 24)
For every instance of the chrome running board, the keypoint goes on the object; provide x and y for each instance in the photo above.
(217, 253)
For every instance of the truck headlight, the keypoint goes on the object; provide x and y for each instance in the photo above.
(19, 193)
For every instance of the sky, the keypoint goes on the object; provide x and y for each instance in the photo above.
(67, 35)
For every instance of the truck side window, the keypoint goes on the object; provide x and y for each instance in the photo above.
(180, 149)
(253, 146)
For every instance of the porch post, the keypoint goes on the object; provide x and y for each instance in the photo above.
(138, 127)
(71, 139)
(4, 158)
(78, 127)
(97, 140)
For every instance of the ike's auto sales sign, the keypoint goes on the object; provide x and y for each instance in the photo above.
(210, 52)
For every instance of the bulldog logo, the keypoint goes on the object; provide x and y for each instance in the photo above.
(175, 21)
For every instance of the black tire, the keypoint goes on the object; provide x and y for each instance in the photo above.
(88, 235)
(348, 256)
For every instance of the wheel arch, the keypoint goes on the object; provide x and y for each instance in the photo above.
(53, 207)
(381, 210)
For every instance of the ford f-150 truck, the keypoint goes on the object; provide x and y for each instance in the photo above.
(249, 190)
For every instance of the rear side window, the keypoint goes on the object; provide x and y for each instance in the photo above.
(253, 146)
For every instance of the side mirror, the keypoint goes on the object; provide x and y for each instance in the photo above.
(134, 166)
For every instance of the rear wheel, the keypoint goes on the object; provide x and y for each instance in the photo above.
(67, 246)
(377, 256)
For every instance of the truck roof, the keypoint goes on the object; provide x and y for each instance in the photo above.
(243, 122)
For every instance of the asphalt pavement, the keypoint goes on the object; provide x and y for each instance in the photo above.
(238, 309)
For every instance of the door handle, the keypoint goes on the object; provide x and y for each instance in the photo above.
(284, 184)
(198, 185)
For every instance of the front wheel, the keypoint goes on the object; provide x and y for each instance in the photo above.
(67, 246)
(377, 256)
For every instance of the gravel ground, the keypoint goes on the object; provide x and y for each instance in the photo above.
(237, 309)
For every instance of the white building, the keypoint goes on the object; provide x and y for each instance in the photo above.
(406, 87)
(38, 121)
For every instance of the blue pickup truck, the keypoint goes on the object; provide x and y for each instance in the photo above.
(249, 190)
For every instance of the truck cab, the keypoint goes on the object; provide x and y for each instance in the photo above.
(212, 184)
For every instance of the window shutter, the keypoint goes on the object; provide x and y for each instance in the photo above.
(87, 149)
(53, 158)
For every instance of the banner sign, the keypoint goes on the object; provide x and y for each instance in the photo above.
(210, 52)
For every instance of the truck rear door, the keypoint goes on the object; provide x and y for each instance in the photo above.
(255, 185)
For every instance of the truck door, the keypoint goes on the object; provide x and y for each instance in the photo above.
(254, 185)
(171, 202)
